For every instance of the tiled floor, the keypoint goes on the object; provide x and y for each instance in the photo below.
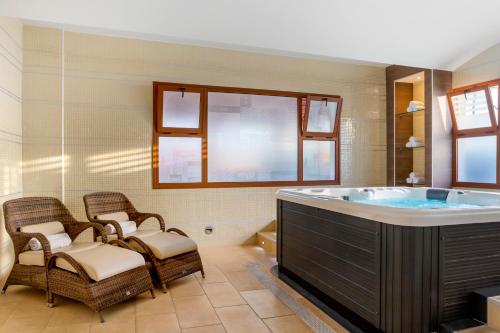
(230, 299)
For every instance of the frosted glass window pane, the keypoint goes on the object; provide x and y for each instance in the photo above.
(477, 159)
(251, 138)
(321, 116)
(181, 112)
(471, 110)
(494, 99)
(179, 160)
(319, 160)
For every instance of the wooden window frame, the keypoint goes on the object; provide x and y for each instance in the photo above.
(159, 112)
(493, 130)
(159, 131)
(336, 125)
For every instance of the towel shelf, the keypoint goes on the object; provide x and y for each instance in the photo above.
(406, 114)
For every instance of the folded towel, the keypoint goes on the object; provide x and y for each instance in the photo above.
(414, 109)
(415, 139)
(418, 180)
(409, 180)
(414, 174)
(56, 241)
(128, 227)
(416, 103)
(414, 144)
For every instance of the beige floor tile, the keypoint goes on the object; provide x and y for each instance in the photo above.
(28, 324)
(145, 305)
(29, 308)
(480, 329)
(74, 313)
(162, 323)
(494, 315)
(212, 275)
(287, 324)
(241, 319)
(122, 326)
(117, 312)
(234, 264)
(244, 281)
(205, 329)
(222, 294)
(195, 311)
(76, 328)
(265, 304)
(5, 312)
(16, 294)
(185, 287)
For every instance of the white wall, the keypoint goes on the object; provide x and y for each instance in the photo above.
(11, 67)
(484, 67)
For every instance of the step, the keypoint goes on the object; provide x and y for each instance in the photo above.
(480, 329)
(494, 313)
(267, 240)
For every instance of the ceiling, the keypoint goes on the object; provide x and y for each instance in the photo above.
(424, 33)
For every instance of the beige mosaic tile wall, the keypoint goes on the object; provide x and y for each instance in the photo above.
(108, 123)
(419, 128)
(484, 67)
(11, 68)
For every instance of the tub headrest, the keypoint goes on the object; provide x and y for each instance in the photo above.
(437, 194)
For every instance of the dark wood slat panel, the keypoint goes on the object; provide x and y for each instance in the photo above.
(410, 275)
(358, 276)
(470, 259)
(344, 251)
(337, 231)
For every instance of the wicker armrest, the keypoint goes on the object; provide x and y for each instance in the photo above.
(118, 228)
(75, 229)
(178, 231)
(20, 240)
(78, 268)
(139, 218)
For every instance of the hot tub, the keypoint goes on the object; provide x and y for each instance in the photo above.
(390, 259)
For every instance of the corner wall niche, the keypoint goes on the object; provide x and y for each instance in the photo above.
(418, 127)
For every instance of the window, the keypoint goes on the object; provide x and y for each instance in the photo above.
(474, 113)
(208, 136)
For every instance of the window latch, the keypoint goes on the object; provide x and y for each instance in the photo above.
(182, 91)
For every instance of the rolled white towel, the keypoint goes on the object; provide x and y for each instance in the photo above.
(56, 241)
(414, 144)
(416, 103)
(128, 227)
(415, 139)
(418, 180)
(414, 174)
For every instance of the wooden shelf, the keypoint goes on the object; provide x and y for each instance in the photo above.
(407, 114)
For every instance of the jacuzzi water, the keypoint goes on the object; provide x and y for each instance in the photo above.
(415, 203)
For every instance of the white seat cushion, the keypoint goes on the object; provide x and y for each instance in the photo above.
(138, 233)
(117, 216)
(36, 257)
(165, 244)
(100, 261)
(104, 261)
(47, 228)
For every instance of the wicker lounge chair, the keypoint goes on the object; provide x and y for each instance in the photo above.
(97, 274)
(171, 252)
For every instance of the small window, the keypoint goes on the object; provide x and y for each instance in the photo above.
(180, 110)
(321, 116)
(472, 109)
(319, 160)
(179, 159)
(477, 159)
